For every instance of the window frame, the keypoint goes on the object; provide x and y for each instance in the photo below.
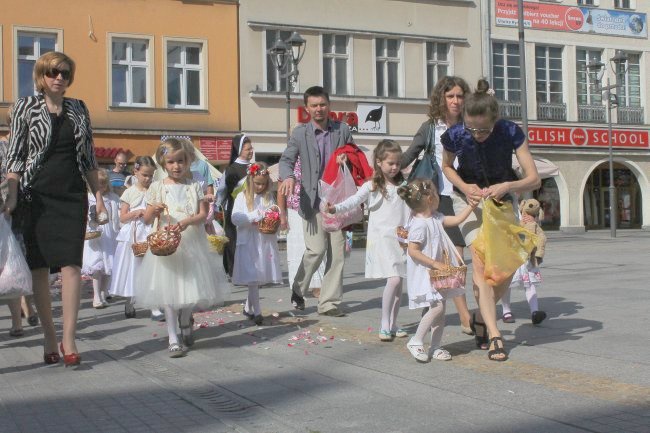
(151, 73)
(348, 67)
(17, 31)
(589, 85)
(400, 66)
(203, 72)
(595, 3)
(266, 62)
(427, 62)
(505, 76)
(548, 80)
(632, 5)
(625, 87)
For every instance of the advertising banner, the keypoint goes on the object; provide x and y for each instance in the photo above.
(586, 137)
(215, 148)
(555, 17)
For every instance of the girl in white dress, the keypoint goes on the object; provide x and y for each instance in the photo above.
(98, 252)
(425, 251)
(186, 278)
(256, 255)
(384, 256)
(132, 207)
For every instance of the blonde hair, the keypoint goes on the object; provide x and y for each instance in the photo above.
(172, 144)
(46, 63)
(257, 169)
(414, 193)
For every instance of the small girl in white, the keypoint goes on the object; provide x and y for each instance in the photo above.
(257, 260)
(187, 277)
(98, 252)
(384, 256)
(425, 251)
(132, 206)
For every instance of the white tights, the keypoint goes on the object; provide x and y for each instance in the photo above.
(253, 300)
(390, 303)
(172, 319)
(433, 320)
(100, 288)
(531, 297)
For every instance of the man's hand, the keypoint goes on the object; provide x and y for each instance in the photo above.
(341, 159)
(286, 187)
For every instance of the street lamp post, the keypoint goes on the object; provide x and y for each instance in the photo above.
(285, 56)
(597, 68)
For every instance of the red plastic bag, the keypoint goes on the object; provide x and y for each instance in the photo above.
(342, 188)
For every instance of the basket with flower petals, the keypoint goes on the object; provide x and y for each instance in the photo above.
(218, 243)
(402, 236)
(270, 221)
(450, 276)
(92, 234)
(165, 241)
(139, 248)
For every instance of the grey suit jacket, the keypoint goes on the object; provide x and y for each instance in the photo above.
(302, 143)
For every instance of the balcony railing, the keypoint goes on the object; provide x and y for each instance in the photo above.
(592, 113)
(630, 115)
(510, 110)
(551, 111)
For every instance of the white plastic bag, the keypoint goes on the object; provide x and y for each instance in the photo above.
(15, 276)
(342, 188)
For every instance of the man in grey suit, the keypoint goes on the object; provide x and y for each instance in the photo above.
(315, 142)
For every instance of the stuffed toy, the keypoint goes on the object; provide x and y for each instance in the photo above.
(531, 212)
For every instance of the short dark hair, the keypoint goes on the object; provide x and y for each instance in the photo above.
(316, 91)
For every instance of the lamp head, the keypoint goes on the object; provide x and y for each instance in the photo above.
(297, 45)
(596, 69)
(279, 54)
(619, 57)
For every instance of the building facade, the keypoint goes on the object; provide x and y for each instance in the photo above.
(144, 68)
(567, 105)
(379, 56)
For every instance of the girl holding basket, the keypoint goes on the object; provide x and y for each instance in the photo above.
(176, 272)
(257, 260)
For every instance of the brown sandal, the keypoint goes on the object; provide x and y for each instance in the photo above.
(494, 354)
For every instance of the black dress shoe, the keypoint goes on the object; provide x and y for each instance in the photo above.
(259, 320)
(538, 317)
(297, 301)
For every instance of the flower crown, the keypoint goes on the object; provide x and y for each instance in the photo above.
(256, 170)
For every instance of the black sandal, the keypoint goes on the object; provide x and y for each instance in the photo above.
(482, 338)
(498, 350)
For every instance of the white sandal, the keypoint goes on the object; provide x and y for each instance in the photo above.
(176, 350)
(417, 350)
(441, 354)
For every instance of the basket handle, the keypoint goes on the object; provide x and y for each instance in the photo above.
(450, 246)
(135, 227)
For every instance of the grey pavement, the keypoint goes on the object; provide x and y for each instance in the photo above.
(585, 369)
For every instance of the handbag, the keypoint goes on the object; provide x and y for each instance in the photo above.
(427, 167)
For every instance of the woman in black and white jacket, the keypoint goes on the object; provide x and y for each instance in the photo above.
(50, 162)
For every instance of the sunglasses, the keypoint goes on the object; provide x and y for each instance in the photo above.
(477, 132)
(54, 73)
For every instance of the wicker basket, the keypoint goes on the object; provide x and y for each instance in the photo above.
(164, 242)
(218, 243)
(451, 277)
(402, 236)
(92, 234)
(139, 248)
(271, 221)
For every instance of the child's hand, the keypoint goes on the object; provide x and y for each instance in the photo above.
(341, 159)
(284, 222)
(158, 208)
(209, 198)
(330, 208)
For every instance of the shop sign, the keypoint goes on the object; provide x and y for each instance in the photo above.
(215, 148)
(372, 118)
(555, 17)
(587, 137)
(349, 117)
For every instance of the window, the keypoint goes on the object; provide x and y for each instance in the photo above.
(130, 72)
(185, 75)
(548, 68)
(437, 63)
(506, 72)
(624, 4)
(31, 46)
(274, 81)
(335, 64)
(387, 58)
(587, 81)
(588, 2)
(630, 79)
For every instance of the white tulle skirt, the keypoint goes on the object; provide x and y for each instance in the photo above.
(98, 256)
(192, 276)
(125, 263)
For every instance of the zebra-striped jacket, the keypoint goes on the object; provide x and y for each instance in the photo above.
(31, 135)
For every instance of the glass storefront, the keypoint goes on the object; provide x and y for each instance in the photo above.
(549, 200)
(596, 198)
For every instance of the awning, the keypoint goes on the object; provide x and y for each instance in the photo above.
(544, 168)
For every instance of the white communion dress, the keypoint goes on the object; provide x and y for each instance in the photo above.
(99, 252)
(189, 276)
(384, 256)
(125, 264)
(257, 260)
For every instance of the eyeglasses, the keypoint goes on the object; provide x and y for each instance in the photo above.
(478, 132)
(54, 73)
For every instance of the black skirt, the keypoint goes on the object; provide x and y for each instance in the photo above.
(56, 220)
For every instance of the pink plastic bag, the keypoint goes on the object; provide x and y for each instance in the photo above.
(342, 188)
